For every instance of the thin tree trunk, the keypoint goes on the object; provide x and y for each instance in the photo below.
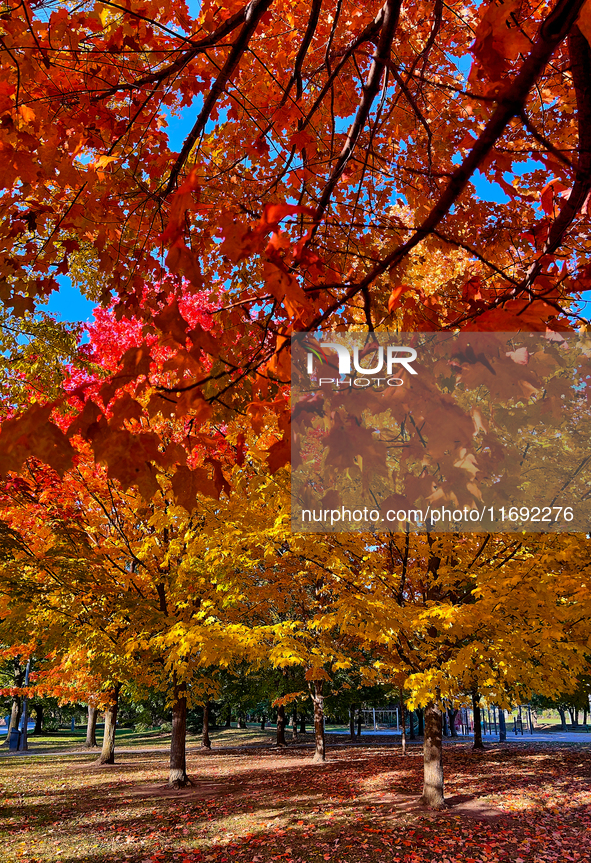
(107, 755)
(302, 723)
(281, 726)
(228, 722)
(177, 774)
(403, 722)
(294, 727)
(205, 741)
(359, 721)
(421, 718)
(562, 719)
(318, 699)
(452, 713)
(352, 722)
(90, 742)
(502, 726)
(38, 708)
(478, 744)
(263, 722)
(411, 724)
(241, 720)
(576, 717)
(445, 722)
(433, 759)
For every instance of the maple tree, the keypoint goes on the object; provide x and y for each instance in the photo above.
(117, 577)
(331, 152)
(437, 615)
(329, 179)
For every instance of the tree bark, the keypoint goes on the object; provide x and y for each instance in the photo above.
(421, 719)
(16, 710)
(445, 722)
(562, 719)
(205, 741)
(294, 726)
(433, 759)
(281, 726)
(478, 744)
(411, 724)
(318, 699)
(502, 726)
(452, 713)
(241, 721)
(263, 722)
(352, 722)
(107, 755)
(302, 723)
(403, 723)
(15, 717)
(228, 722)
(576, 717)
(90, 742)
(38, 708)
(177, 774)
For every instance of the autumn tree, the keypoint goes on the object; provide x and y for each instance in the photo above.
(326, 161)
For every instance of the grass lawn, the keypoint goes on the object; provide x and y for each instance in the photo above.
(254, 804)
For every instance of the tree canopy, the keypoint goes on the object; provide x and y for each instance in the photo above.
(334, 174)
(332, 153)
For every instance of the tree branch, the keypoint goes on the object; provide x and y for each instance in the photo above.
(552, 32)
(254, 12)
(391, 12)
(580, 63)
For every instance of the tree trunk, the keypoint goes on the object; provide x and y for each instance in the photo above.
(15, 716)
(177, 774)
(294, 727)
(359, 721)
(452, 713)
(281, 726)
(403, 723)
(228, 722)
(241, 720)
(38, 708)
(585, 712)
(478, 744)
(576, 717)
(502, 726)
(263, 722)
(107, 755)
(352, 722)
(411, 724)
(318, 699)
(16, 709)
(302, 723)
(562, 719)
(433, 759)
(205, 741)
(421, 718)
(90, 742)
(445, 722)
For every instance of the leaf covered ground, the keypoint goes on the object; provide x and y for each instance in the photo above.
(253, 805)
